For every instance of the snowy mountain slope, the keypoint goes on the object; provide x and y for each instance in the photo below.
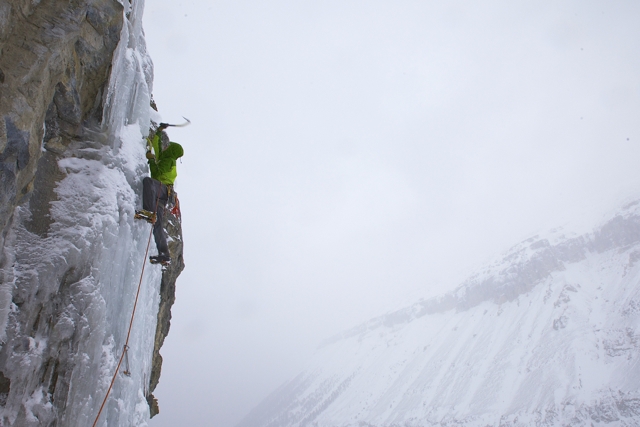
(547, 335)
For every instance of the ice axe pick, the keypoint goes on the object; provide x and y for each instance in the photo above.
(181, 125)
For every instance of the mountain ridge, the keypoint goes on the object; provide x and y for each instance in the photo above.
(613, 230)
(545, 335)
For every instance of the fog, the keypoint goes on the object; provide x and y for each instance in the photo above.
(347, 158)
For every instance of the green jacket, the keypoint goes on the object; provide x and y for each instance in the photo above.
(163, 167)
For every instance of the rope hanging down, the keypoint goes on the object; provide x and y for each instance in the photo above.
(126, 343)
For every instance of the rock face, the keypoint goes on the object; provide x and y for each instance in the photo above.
(167, 298)
(55, 58)
(75, 89)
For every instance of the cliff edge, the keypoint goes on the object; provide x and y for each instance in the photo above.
(75, 95)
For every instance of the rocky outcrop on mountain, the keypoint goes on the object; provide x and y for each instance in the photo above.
(75, 90)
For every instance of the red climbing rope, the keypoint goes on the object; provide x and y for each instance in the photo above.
(126, 343)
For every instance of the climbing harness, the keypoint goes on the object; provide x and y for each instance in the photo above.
(175, 211)
(173, 204)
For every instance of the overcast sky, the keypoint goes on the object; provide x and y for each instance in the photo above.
(347, 158)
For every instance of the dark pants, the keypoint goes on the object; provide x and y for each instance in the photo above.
(154, 199)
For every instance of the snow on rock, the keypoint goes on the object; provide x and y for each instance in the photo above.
(547, 335)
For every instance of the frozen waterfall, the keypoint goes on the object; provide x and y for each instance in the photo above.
(67, 305)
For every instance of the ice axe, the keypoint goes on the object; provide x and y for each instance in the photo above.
(161, 127)
(181, 125)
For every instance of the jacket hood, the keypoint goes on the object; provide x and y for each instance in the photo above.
(174, 150)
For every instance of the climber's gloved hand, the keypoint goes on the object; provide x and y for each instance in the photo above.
(150, 155)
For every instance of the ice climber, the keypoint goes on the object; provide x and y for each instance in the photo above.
(157, 189)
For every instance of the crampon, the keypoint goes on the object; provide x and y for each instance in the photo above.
(148, 216)
(164, 260)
